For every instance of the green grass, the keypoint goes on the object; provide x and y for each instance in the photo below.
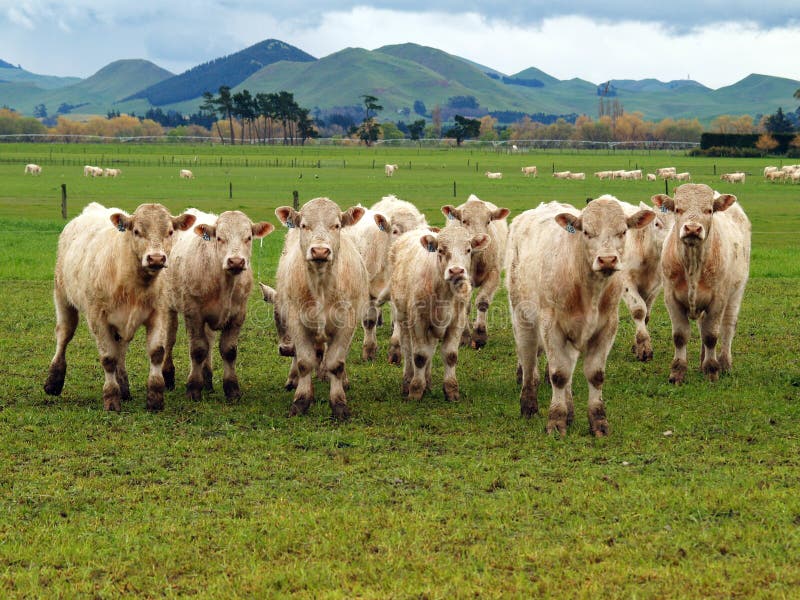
(427, 499)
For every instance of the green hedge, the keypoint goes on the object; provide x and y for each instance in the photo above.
(744, 140)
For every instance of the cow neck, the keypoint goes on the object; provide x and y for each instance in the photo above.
(320, 280)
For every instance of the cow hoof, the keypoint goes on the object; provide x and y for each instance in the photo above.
(194, 391)
(169, 378)
(368, 353)
(54, 385)
(559, 425)
(394, 356)
(479, 338)
(155, 401)
(340, 412)
(290, 384)
(599, 428)
(300, 406)
(451, 393)
(285, 350)
(112, 402)
(711, 370)
(208, 379)
(643, 352)
(231, 390)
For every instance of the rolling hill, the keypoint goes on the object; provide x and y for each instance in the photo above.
(398, 75)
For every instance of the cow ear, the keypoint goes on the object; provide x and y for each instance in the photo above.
(352, 215)
(430, 242)
(451, 212)
(261, 229)
(723, 202)
(664, 202)
(184, 221)
(207, 232)
(479, 241)
(640, 219)
(500, 213)
(121, 221)
(383, 223)
(267, 293)
(569, 222)
(288, 216)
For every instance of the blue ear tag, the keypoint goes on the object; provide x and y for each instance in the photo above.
(570, 228)
(664, 209)
(120, 226)
(289, 224)
(431, 248)
(206, 237)
(381, 227)
(450, 217)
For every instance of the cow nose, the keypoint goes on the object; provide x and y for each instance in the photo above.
(456, 271)
(157, 260)
(235, 264)
(694, 230)
(607, 263)
(320, 253)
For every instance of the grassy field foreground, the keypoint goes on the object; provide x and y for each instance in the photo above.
(423, 500)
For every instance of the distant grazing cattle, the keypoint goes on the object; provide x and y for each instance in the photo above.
(209, 283)
(564, 295)
(33, 169)
(390, 169)
(111, 172)
(492, 175)
(561, 174)
(705, 264)
(527, 171)
(186, 174)
(737, 177)
(108, 267)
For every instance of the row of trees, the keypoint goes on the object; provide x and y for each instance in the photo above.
(258, 115)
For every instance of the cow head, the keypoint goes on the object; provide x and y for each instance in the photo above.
(151, 233)
(404, 220)
(602, 226)
(661, 224)
(319, 223)
(454, 248)
(232, 238)
(694, 206)
(475, 215)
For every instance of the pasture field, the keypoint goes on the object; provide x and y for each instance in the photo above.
(406, 500)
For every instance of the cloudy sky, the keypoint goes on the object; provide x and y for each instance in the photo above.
(715, 42)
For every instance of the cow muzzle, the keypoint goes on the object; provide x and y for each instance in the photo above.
(606, 265)
(319, 254)
(692, 234)
(235, 265)
(155, 261)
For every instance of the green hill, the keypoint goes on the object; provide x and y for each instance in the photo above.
(227, 70)
(11, 74)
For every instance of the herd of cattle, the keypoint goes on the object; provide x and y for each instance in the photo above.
(566, 272)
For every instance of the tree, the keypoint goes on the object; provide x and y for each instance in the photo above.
(778, 123)
(390, 131)
(305, 125)
(40, 111)
(464, 128)
(487, 131)
(210, 106)
(436, 121)
(766, 143)
(244, 107)
(369, 130)
(419, 107)
(416, 129)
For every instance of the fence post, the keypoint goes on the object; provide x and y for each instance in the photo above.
(64, 201)
(454, 189)
(666, 186)
(230, 190)
(296, 200)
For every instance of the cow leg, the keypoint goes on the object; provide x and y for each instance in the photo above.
(306, 361)
(709, 326)
(67, 317)
(208, 363)
(369, 322)
(450, 359)
(483, 300)
(680, 337)
(334, 358)
(527, 341)
(122, 373)
(168, 369)
(228, 349)
(561, 359)
(728, 329)
(421, 353)
(294, 376)
(156, 336)
(408, 360)
(594, 368)
(466, 334)
(395, 351)
(198, 352)
(640, 311)
(109, 348)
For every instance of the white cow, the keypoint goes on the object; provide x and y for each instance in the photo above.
(564, 297)
(561, 174)
(186, 174)
(705, 264)
(108, 267)
(492, 175)
(390, 169)
(33, 169)
(531, 170)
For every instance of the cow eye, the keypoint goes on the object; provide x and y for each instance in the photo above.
(469, 250)
(465, 222)
(171, 232)
(708, 211)
(337, 226)
(137, 233)
(249, 238)
(303, 226)
(220, 240)
(678, 211)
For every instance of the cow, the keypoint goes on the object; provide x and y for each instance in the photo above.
(705, 264)
(33, 169)
(564, 293)
(185, 174)
(108, 267)
(430, 292)
(321, 293)
(531, 170)
(390, 169)
(209, 283)
(372, 236)
(642, 272)
(487, 264)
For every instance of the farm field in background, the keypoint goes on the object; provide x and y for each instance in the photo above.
(428, 499)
